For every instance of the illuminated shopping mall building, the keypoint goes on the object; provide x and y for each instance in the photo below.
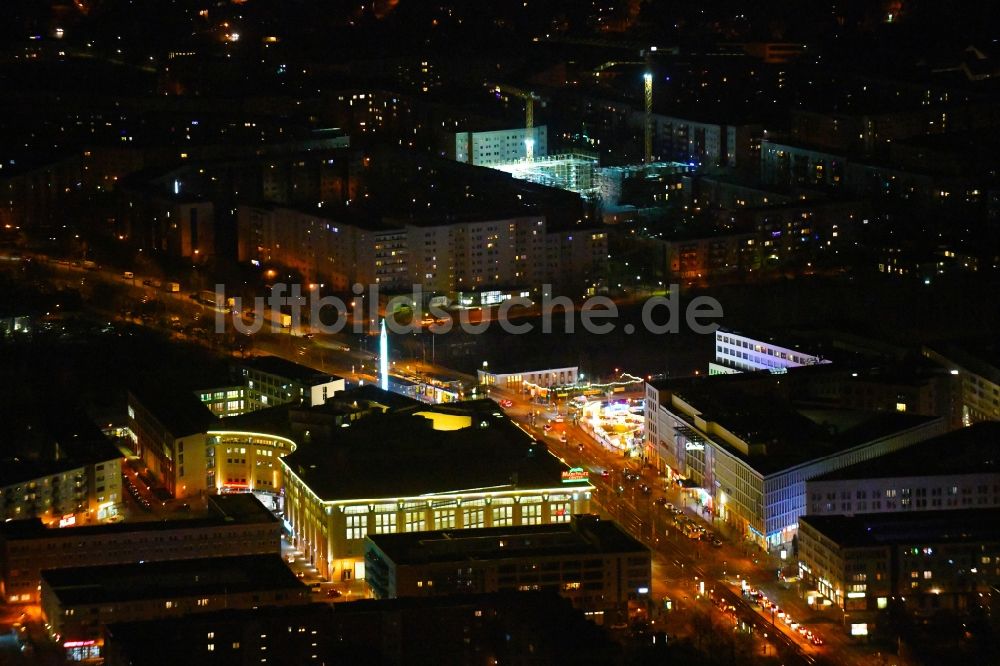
(413, 468)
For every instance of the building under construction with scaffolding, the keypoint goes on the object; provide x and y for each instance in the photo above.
(576, 172)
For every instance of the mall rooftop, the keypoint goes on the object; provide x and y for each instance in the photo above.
(971, 450)
(884, 529)
(779, 435)
(422, 449)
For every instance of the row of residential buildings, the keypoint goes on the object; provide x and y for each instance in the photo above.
(442, 256)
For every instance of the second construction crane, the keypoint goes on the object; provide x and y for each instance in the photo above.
(529, 98)
(647, 89)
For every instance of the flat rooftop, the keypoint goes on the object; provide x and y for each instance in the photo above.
(174, 578)
(39, 444)
(275, 365)
(971, 450)
(979, 356)
(273, 421)
(180, 411)
(925, 527)
(369, 630)
(783, 435)
(235, 509)
(586, 535)
(423, 449)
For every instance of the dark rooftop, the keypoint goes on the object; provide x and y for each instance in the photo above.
(276, 365)
(350, 632)
(586, 535)
(273, 421)
(924, 527)
(370, 393)
(243, 509)
(180, 412)
(979, 356)
(401, 454)
(174, 578)
(780, 435)
(39, 445)
(971, 450)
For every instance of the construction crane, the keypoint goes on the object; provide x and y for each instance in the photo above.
(529, 98)
(647, 81)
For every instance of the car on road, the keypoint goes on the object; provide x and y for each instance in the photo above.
(646, 490)
(716, 543)
(333, 592)
(506, 404)
(563, 438)
(547, 427)
(605, 474)
(660, 502)
(559, 418)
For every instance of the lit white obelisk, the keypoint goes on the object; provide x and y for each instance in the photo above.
(383, 359)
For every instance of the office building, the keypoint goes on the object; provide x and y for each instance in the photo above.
(206, 440)
(746, 452)
(923, 562)
(77, 602)
(512, 627)
(416, 468)
(268, 381)
(978, 367)
(592, 562)
(168, 434)
(272, 381)
(234, 525)
(960, 469)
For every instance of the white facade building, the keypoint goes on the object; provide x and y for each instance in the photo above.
(736, 353)
(535, 379)
(500, 146)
